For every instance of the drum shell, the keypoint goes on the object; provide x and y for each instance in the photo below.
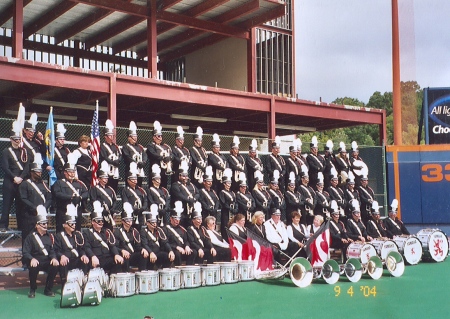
(169, 279)
(92, 293)
(210, 275)
(76, 275)
(123, 284)
(190, 276)
(147, 282)
(246, 270)
(70, 294)
(361, 251)
(383, 247)
(228, 272)
(100, 275)
(410, 247)
(434, 243)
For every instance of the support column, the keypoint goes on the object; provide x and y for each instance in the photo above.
(251, 62)
(152, 51)
(112, 100)
(271, 120)
(396, 91)
(17, 45)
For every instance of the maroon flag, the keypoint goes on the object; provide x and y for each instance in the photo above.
(236, 245)
(260, 251)
(95, 146)
(318, 246)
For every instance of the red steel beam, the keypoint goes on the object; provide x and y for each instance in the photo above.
(251, 62)
(167, 4)
(17, 35)
(120, 6)
(9, 12)
(152, 42)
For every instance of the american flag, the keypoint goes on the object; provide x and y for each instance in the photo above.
(95, 146)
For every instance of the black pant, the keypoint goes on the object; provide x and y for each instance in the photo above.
(109, 265)
(223, 254)
(207, 256)
(44, 265)
(11, 194)
(162, 260)
(188, 258)
(135, 259)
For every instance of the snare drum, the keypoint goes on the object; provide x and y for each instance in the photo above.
(71, 294)
(246, 270)
(210, 275)
(147, 282)
(384, 247)
(228, 272)
(410, 247)
(361, 251)
(92, 293)
(190, 276)
(169, 279)
(76, 275)
(434, 243)
(123, 284)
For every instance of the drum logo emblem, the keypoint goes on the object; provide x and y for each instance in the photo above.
(437, 247)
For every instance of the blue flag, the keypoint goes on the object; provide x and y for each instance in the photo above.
(50, 146)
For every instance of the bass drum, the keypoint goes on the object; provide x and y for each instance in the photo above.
(71, 294)
(92, 293)
(410, 247)
(76, 275)
(434, 243)
(384, 247)
(147, 282)
(361, 251)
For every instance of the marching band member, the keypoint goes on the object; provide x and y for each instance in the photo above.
(39, 254)
(276, 162)
(338, 232)
(220, 245)
(375, 226)
(356, 166)
(69, 191)
(128, 242)
(316, 162)
(355, 228)
(33, 141)
(158, 252)
(294, 200)
(244, 200)
(237, 225)
(15, 166)
(309, 197)
(100, 244)
(135, 195)
(277, 196)
(105, 195)
(199, 239)
(237, 163)
(227, 200)
(159, 195)
(61, 151)
(276, 233)
(185, 192)
(300, 157)
(329, 159)
(253, 164)
(160, 154)
(199, 159)
(84, 160)
(350, 193)
(33, 192)
(342, 163)
(133, 152)
(69, 246)
(336, 193)
(393, 224)
(111, 153)
(208, 197)
(297, 233)
(322, 206)
(218, 162)
(257, 225)
(179, 152)
(293, 164)
(263, 200)
(315, 226)
(366, 195)
(178, 239)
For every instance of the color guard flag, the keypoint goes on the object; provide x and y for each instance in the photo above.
(50, 146)
(95, 146)
(318, 246)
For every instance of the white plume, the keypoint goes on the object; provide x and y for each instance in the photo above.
(184, 166)
(394, 204)
(342, 146)
(33, 120)
(41, 211)
(128, 209)
(133, 126)
(199, 132)
(179, 207)
(276, 175)
(334, 206)
(227, 172)
(209, 170)
(314, 141)
(156, 169)
(60, 128)
(254, 144)
(319, 177)
(292, 177)
(330, 144)
(216, 138)
(334, 172)
(134, 168)
(38, 159)
(375, 206)
(180, 131)
(16, 128)
(104, 166)
(157, 126)
(109, 125)
(242, 176)
(277, 140)
(354, 146)
(299, 143)
(236, 140)
(198, 207)
(153, 209)
(71, 211)
(73, 157)
(97, 207)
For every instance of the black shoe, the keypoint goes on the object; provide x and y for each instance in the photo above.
(32, 293)
(49, 293)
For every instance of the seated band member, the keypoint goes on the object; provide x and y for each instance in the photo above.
(276, 233)
(177, 237)
(317, 222)
(208, 196)
(338, 232)
(199, 239)
(69, 246)
(237, 226)
(394, 225)
(375, 226)
(99, 244)
(297, 233)
(39, 254)
(128, 241)
(158, 252)
(355, 228)
(220, 245)
(257, 225)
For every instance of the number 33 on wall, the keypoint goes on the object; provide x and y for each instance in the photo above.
(432, 173)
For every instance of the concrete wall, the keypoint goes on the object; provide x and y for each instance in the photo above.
(224, 62)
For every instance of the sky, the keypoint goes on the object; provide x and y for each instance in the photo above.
(344, 48)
